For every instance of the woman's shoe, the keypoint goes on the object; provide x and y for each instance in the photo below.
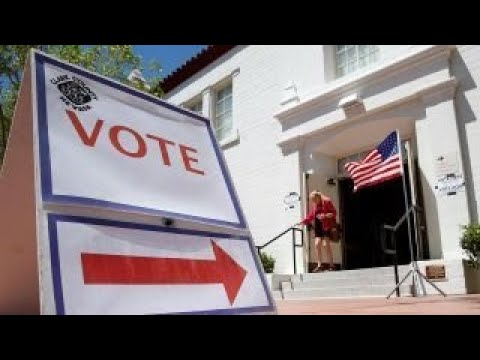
(331, 268)
(318, 268)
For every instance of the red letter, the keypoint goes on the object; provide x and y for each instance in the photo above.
(87, 140)
(186, 159)
(142, 148)
(163, 147)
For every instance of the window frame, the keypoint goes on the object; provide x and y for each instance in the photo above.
(352, 61)
(228, 83)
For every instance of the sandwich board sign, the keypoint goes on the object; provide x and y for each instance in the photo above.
(93, 168)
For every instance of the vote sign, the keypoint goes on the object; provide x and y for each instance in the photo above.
(104, 144)
(110, 267)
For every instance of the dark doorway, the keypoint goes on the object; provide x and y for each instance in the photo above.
(364, 214)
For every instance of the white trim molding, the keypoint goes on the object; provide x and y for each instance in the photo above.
(234, 136)
(350, 100)
(444, 88)
(290, 94)
(327, 109)
(343, 86)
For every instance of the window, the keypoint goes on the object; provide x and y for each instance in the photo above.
(350, 58)
(222, 120)
(196, 107)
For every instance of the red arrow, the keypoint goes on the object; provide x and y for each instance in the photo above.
(123, 269)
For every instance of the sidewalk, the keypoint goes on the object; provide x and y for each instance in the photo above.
(423, 305)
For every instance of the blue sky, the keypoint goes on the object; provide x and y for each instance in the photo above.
(169, 56)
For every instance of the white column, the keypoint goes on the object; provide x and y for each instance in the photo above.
(437, 135)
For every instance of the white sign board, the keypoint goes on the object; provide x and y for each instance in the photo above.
(446, 164)
(449, 185)
(102, 145)
(108, 267)
(106, 145)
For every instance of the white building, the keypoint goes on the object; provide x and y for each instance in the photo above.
(288, 117)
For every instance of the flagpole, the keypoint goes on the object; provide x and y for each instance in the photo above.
(414, 270)
(410, 243)
(413, 198)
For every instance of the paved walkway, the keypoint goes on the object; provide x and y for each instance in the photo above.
(427, 305)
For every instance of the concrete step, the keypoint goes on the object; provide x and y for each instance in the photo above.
(344, 274)
(345, 292)
(277, 294)
(322, 282)
(372, 282)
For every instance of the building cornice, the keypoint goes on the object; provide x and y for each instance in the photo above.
(437, 91)
(338, 89)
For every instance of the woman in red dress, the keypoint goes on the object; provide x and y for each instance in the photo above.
(324, 217)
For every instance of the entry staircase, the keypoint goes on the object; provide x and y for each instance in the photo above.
(372, 282)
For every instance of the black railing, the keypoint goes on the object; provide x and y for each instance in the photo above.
(294, 243)
(393, 240)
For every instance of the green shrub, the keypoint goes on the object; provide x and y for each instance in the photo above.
(268, 262)
(470, 243)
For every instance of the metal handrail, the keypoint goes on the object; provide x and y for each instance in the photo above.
(393, 229)
(404, 217)
(293, 229)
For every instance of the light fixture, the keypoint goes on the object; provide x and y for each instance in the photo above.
(291, 199)
(331, 182)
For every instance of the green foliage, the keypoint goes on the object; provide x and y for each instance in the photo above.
(113, 61)
(470, 243)
(268, 262)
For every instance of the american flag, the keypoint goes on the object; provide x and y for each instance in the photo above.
(382, 164)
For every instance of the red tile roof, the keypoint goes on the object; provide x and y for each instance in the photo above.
(194, 65)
